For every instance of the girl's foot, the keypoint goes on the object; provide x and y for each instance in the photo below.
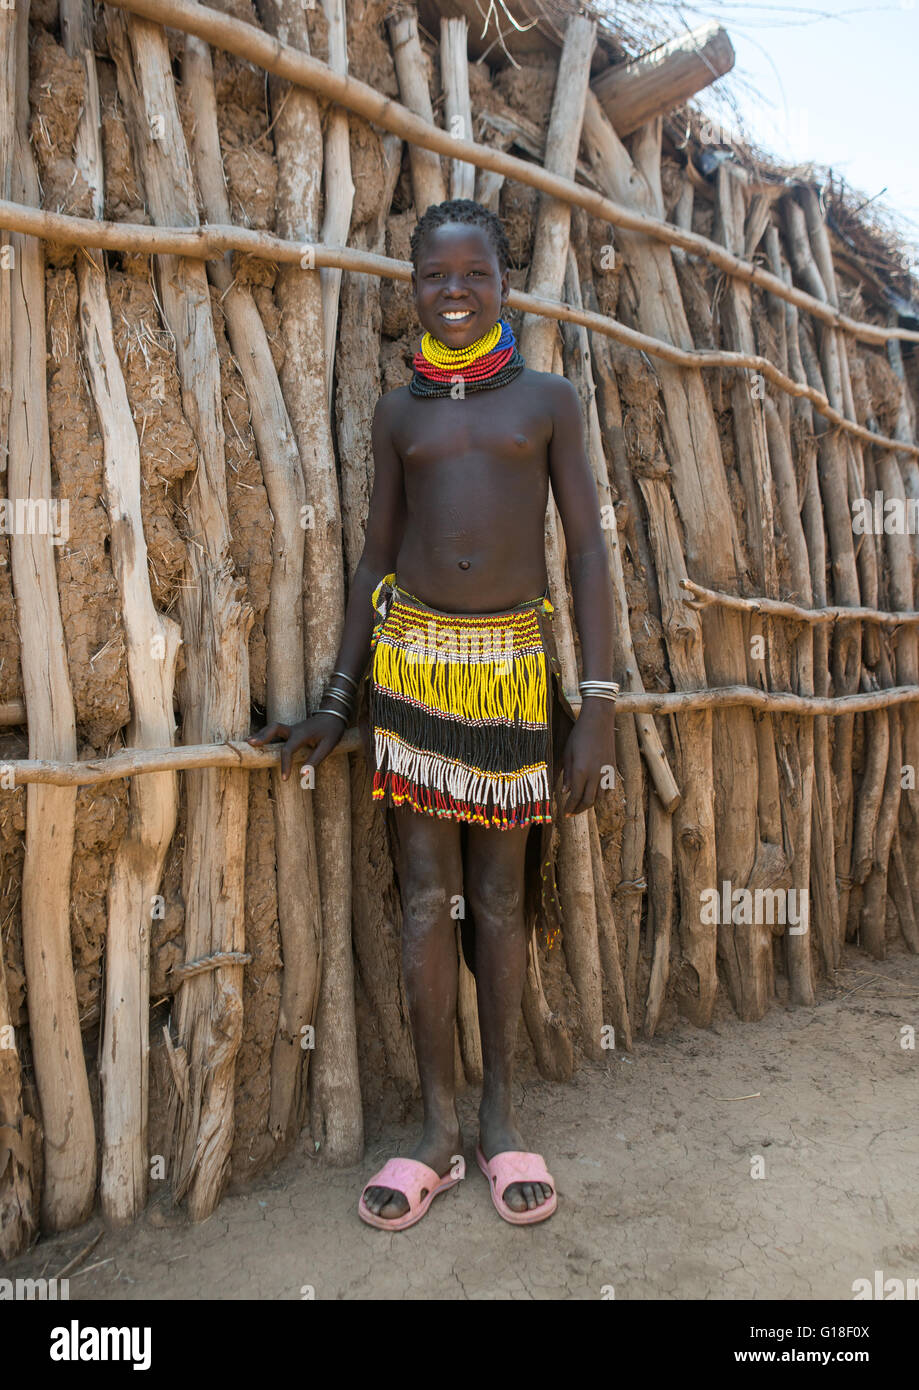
(499, 1134)
(437, 1146)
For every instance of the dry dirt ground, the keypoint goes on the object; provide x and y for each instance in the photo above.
(653, 1154)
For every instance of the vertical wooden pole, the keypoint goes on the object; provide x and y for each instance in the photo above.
(57, 1047)
(338, 187)
(537, 342)
(18, 1190)
(18, 1213)
(454, 71)
(897, 478)
(701, 495)
(216, 620)
(298, 884)
(785, 815)
(834, 488)
(797, 430)
(152, 647)
(411, 69)
(335, 1101)
(376, 910)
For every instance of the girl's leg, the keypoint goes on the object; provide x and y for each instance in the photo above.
(430, 875)
(494, 879)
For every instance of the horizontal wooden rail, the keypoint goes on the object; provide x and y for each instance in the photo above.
(246, 41)
(210, 242)
(779, 608)
(239, 754)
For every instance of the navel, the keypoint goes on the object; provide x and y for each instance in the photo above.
(463, 564)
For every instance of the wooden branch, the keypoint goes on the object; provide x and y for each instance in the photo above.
(411, 70)
(780, 608)
(376, 909)
(299, 911)
(547, 1029)
(205, 243)
(660, 911)
(804, 519)
(18, 1132)
(57, 1048)
(152, 648)
(514, 128)
(784, 821)
(296, 66)
(338, 188)
(905, 430)
(538, 343)
(736, 311)
(214, 689)
(8, 90)
(454, 76)
(336, 1116)
(897, 478)
(879, 795)
(627, 664)
(708, 545)
(502, 32)
(663, 78)
(230, 753)
(694, 827)
(834, 465)
(609, 942)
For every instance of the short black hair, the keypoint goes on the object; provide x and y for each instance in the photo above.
(470, 213)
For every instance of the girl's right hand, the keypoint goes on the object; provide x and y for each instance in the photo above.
(320, 732)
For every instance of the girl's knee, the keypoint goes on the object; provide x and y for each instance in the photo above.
(425, 904)
(494, 898)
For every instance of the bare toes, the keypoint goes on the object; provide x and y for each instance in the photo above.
(514, 1197)
(393, 1206)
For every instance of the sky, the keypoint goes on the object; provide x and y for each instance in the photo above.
(838, 84)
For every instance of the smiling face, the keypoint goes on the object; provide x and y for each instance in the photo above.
(459, 286)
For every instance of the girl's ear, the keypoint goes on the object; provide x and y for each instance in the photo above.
(505, 284)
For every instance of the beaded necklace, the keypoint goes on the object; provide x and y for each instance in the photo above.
(489, 362)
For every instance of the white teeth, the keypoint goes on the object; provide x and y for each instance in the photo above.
(457, 314)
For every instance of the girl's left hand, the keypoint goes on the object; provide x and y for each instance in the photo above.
(589, 753)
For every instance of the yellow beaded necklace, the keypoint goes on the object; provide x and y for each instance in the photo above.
(439, 355)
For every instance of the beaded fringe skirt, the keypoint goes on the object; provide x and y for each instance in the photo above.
(459, 711)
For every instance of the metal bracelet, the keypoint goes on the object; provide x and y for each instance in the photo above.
(345, 696)
(337, 713)
(345, 676)
(597, 695)
(595, 687)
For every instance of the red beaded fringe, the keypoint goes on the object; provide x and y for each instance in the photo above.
(433, 803)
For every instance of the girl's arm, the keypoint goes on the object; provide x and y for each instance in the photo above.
(382, 539)
(591, 746)
(385, 524)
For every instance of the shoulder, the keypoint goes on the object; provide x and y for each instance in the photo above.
(391, 404)
(558, 399)
(556, 391)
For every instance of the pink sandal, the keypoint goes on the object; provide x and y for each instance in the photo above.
(515, 1165)
(418, 1183)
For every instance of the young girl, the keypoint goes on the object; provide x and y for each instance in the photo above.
(448, 651)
